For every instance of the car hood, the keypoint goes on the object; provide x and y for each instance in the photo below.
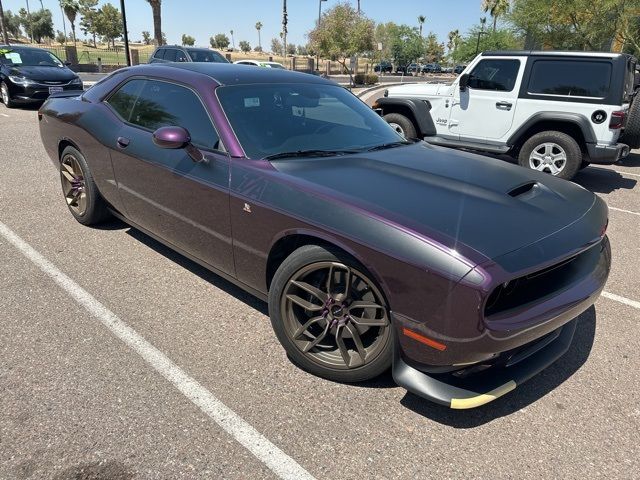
(419, 90)
(41, 73)
(452, 197)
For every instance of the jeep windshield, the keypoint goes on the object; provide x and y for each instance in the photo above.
(281, 120)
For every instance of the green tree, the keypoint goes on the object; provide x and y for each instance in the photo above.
(71, 9)
(302, 50)
(276, 46)
(258, 28)
(257, 48)
(3, 26)
(501, 39)
(245, 46)
(89, 14)
(434, 51)
(291, 49)
(188, 40)
(220, 40)
(453, 40)
(146, 37)
(109, 23)
(156, 9)
(421, 20)
(12, 24)
(39, 24)
(401, 44)
(60, 37)
(343, 33)
(496, 8)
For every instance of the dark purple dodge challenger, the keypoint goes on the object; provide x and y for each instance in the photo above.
(465, 274)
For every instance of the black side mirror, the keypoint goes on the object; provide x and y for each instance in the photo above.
(67, 64)
(464, 82)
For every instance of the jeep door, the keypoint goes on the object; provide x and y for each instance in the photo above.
(484, 111)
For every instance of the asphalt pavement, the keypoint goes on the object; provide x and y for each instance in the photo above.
(122, 359)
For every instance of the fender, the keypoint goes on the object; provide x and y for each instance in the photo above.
(421, 110)
(580, 121)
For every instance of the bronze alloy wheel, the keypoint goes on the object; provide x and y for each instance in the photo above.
(73, 184)
(335, 315)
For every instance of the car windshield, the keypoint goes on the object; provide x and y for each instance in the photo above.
(276, 119)
(29, 58)
(206, 56)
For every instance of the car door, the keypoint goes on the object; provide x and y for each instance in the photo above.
(484, 111)
(163, 190)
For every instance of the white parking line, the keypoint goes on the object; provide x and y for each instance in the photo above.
(618, 298)
(265, 451)
(623, 210)
(4, 115)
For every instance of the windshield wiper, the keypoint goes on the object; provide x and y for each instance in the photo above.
(384, 146)
(309, 153)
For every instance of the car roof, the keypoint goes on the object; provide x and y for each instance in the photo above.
(24, 47)
(233, 74)
(527, 53)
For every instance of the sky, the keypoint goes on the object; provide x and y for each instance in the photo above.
(204, 18)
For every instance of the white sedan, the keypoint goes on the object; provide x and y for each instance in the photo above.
(259, 63)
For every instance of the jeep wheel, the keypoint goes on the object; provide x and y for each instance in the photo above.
(552, 152)
(631, 135)
(401, 124)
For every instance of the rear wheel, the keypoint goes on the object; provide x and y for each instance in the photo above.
(401, 124)
(330, 316)
(552, 152)
(6, 96)
(80, 192)
(631, 135)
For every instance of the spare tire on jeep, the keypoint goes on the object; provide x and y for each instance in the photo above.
(631, 135)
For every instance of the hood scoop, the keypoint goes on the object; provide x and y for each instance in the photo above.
(523, 189)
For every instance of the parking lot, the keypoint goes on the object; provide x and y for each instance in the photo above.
(122, 359)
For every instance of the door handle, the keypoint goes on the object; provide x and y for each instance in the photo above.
(504, 105)
(123, 142)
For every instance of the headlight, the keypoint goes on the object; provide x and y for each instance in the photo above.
(19, 80)
(76, 81)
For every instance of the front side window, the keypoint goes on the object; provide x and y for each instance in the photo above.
(494, 74)
(170, 54)
(151, 104)
(159, 53)
(572, 78)
(206, 56)
(272, 119)
(180, 56)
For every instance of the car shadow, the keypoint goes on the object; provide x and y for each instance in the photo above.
(525, 394)
(632, 160)
(603, 180)
(208, 276)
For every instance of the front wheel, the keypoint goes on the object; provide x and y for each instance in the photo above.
(552, 152)
(401, 124)
(6, 96)
(330, 316)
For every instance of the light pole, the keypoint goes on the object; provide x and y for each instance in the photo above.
(5, 37)
(126, 35)
(483, 20)
(319, 20)
(284, 29)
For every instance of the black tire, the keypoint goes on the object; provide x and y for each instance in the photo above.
(403, 125)
(5, 96)
(94, 208)
(567, 146)
(631, 135)
(287, 316)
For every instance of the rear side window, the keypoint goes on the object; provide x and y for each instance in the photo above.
(170, 54)
(123, 100)
(180, 56)
(571, 78)
(494, 74)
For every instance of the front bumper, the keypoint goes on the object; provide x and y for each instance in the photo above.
(484, 387)
(38, 93)
(607, 154)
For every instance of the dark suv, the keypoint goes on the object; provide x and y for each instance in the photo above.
(175, 53)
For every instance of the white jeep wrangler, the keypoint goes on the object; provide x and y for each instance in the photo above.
(552, 111)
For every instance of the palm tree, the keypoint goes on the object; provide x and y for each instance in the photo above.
(258, 27)
(71, 8)
(454, 40)
(233, 43)
(421, 20)
(156, 8)
(496, 8)
(5, 37)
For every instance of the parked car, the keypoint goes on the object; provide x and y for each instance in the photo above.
(458, 69)
(30, 75)
(413, 68)
(431, 68)
(447, 69)
(177, 53)
(383, 67)
(372, 251)
(555, 112)
(259, 63)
